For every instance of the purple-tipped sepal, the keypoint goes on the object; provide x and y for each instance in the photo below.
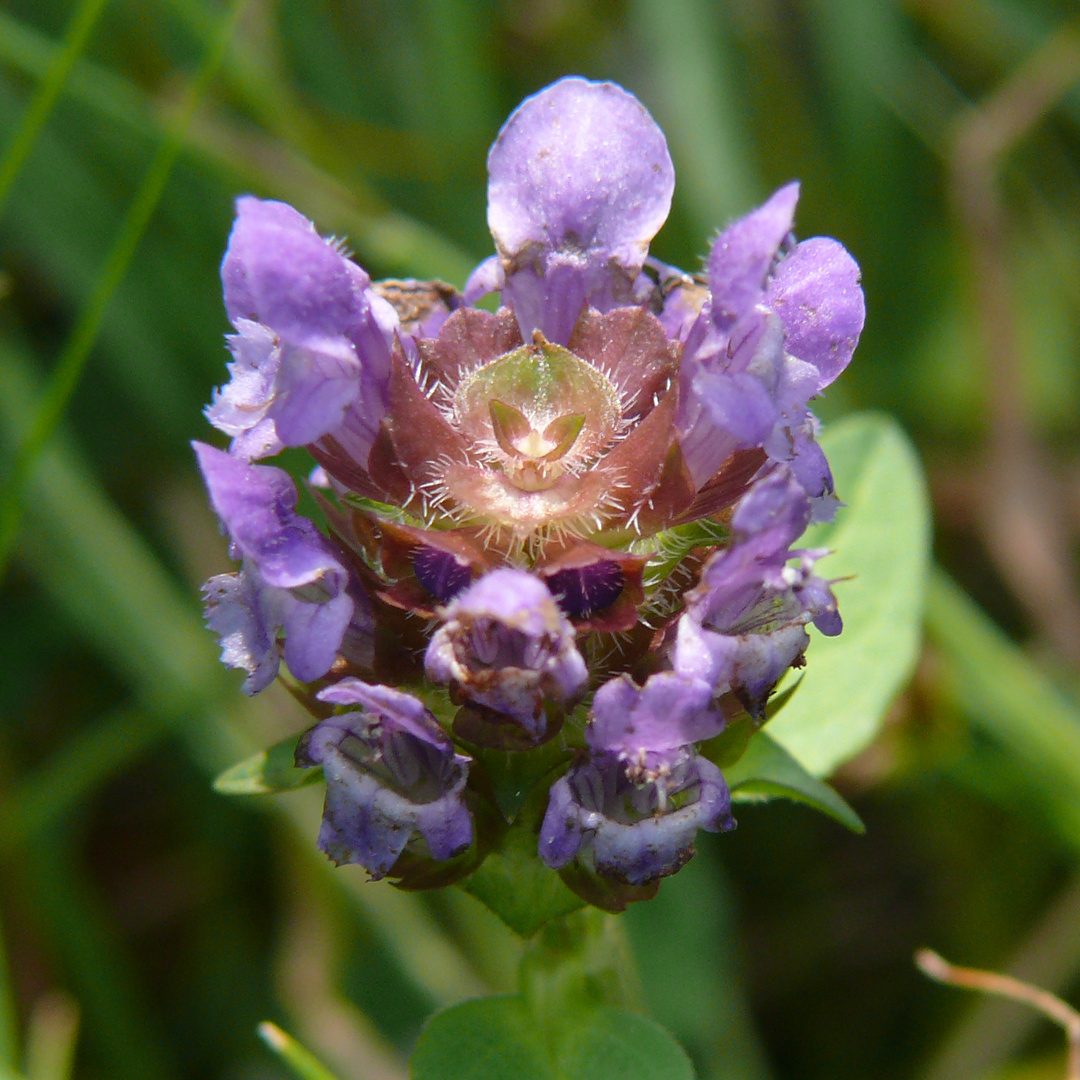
(744, 624)
(506, 649)
(632, 808)
(391, 774)
(290, 577)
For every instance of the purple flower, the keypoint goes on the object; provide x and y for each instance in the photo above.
(580, 182)
(632, 807)
(391, 773)
(744, 624)
(290, 577)
(505, 647)
(523, 496)
(779, 324)
(312, 347)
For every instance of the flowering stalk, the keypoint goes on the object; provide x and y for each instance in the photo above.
(559, 556)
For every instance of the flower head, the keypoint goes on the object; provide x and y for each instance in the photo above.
(568, 521)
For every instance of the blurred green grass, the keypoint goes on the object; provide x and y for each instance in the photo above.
(178, 920)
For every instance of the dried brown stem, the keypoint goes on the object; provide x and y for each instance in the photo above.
(990, 982)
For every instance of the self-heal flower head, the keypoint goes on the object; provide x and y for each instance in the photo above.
(583, 503)
(391, 774)
(632, 807)
(506, 649)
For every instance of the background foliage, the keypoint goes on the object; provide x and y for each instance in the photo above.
(939, 139)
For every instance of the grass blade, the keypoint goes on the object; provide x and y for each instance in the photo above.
(72, 361)
(300, 1060)
(50, 1045)
(699, 107)
(47, 94)
(1002, 692)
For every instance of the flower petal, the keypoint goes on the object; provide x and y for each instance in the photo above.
(280, 272)
(669, 711)
(505, 646)
(743, 254)
(580, 166)
(313, 634)
(390, 772)
(316, 383)
(246, 625)
(257, 505)
(816, 293)
(580, 182)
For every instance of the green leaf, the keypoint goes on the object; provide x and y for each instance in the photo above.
(270, 770)
(488, 1039)
(497, 1038)
(768, 771)
(730, 745)
(610, 1044)
(881, 541)
(514, 774)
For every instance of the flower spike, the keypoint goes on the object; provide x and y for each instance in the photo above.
(562, 546)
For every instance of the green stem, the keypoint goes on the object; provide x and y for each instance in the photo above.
(48, 92)
(578, 961)
(72, 361)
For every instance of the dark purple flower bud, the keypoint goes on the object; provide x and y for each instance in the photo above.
(313, 341)
(580, 182)
(505, 645)
(440, 572)
(744, 625)
(583, 590)
(291, 577)
(391, 773)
